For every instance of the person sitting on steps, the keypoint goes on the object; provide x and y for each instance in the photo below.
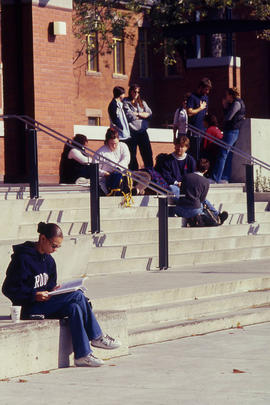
(30, 276)
(177, 164)
(195, 188)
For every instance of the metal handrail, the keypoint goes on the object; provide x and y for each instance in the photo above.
(94, 183)
(117, 167)
(251, 159)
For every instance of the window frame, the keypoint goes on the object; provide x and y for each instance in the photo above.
(92, 60)
(119, 41)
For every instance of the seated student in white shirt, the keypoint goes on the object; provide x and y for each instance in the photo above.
(117, 152)
(74, 160)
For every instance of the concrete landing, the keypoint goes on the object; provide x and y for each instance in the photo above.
(192, 371)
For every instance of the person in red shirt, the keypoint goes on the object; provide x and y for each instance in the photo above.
(209, 148)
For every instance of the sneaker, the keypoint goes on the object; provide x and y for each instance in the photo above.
(212, 181)
(223, 181)
(88, 361)
(223, 216)
(106, 342)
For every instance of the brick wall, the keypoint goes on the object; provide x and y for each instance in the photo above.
(54, 86)
(94, 91)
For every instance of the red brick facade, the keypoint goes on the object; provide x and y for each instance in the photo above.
(40, 80)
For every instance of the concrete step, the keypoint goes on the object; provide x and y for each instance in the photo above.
(141, 250)
(178, 234)
(177, 329)
(237, 212)
(178, 260)
(34, 346)
(195, 309)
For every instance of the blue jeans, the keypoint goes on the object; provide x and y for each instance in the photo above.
(223, 166)
(187, 212)
(82, 321)
(176, 190)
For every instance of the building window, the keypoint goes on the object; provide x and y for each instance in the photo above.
(92, 52)
(175, 69)
(118, 56)
(94, 121)
(143, 53)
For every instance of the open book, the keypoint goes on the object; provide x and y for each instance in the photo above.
(69, 286)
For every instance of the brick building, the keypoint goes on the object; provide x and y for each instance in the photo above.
(40, 78)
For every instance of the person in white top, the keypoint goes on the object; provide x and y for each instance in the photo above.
(180, 121)
(74, 160)
(117, 153)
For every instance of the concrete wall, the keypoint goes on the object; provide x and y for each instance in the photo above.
(254, 139)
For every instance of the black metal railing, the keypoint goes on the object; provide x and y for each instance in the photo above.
(250, 162)
(33, 126)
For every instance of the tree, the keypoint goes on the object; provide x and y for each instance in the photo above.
(169, 13)
(107, 18)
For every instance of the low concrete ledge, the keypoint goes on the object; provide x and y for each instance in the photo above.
(35, 346)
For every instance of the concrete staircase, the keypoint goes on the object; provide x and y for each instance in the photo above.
(218, 277)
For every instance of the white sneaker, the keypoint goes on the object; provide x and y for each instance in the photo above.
(88, 361)
(106, 342)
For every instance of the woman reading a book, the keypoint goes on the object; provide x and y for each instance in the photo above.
(31, 275)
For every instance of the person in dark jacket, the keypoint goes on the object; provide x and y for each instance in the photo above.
(177, 164)
(234, 115)
(31, 275)
(74, 160)
(195, 189)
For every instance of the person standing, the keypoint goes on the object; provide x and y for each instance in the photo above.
(209, 148)
(234, 115)
(138, 115)
(180, 120)
(197, 107)
(117, 115)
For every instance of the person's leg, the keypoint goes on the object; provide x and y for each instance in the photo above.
(230, 137)
(226, 175)
(176, 190)
(132, 145)
(82, 321)
(145, 148)
(211, 207)
(187, 212)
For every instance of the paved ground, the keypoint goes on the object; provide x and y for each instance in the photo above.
(190, 371)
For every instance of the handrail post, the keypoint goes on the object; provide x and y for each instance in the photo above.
(250, 193)
(94, 198)
(33, 163)
(163, 232)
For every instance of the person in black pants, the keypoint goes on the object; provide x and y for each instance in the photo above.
(138, 115)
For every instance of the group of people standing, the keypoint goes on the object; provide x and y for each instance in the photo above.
(194, 110)
(130, 117)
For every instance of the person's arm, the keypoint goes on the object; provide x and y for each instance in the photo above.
(98, 158)
(147, 113)
(233, 109)
(124, 155)
(19, 283)
(175, 123)
(167, 172)
(194, 111)
(204, 193)
(112, 110)
(130, 113)
(77, 155)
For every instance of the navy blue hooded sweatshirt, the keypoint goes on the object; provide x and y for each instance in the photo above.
(28, 272)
